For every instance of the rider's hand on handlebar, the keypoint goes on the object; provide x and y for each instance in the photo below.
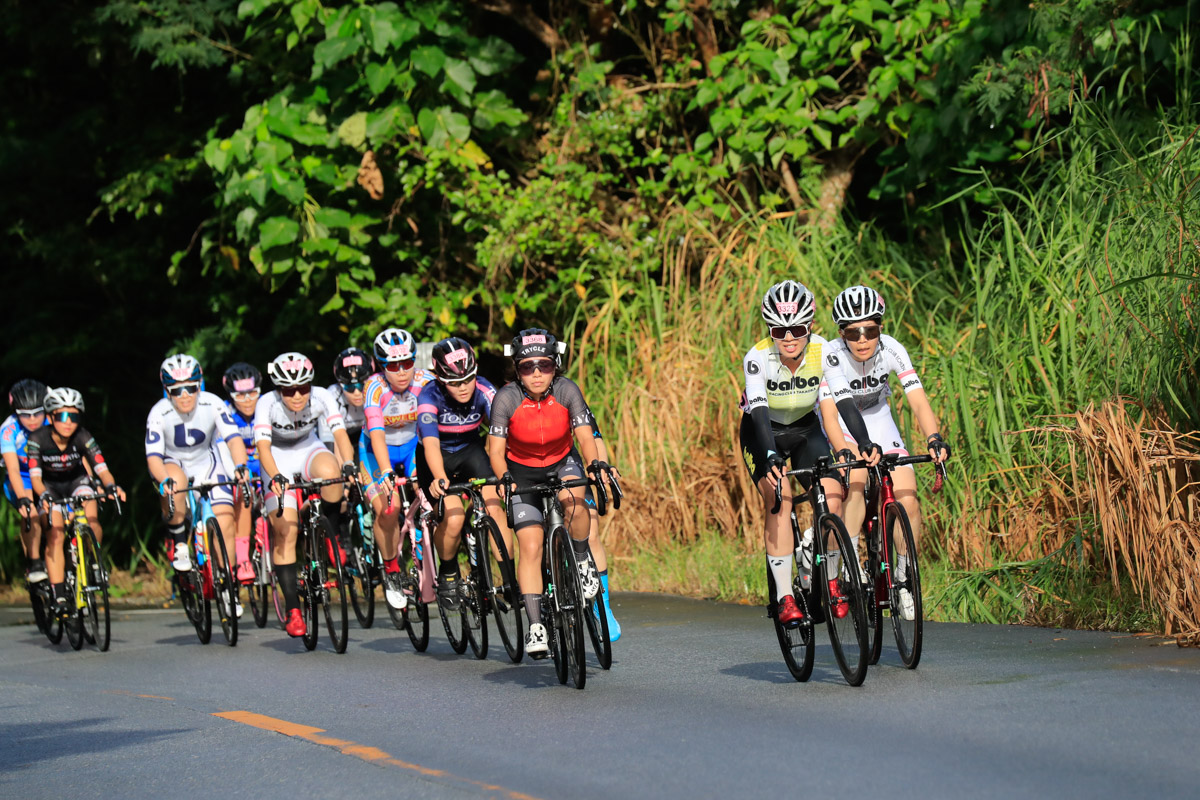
(166, 487)
(775, 467)
(844, 455)
(387, 482)
(939, 451)
(116, 490)
(349, 471)
(279, 485)
(872, 453)
(437, 489)
(25, 506)
(46, 500)
(506, 482)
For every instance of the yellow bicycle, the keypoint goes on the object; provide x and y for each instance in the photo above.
(87, 581)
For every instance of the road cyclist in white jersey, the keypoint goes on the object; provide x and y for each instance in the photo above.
(388, 445)
(351, 370)
(865, 357)
(285, 430)
(781, 422)
(183, 431)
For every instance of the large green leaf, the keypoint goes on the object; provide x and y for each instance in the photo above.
(277, 231)
(493, 108)
(332, 51)
(440, 125)
(429, 60)
(353, 130)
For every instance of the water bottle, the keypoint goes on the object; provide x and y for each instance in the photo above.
(201, 553)
(804, 558)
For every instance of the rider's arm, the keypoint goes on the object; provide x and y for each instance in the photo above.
(569, 394)
(12, 466)
(914, 392)
(155, 445)
(345, 449)
(829, 422)
(839, 390)
(262, 440)
(373, 411)
(96, 459)
(504, 404)
(754, 401)
(496, 447)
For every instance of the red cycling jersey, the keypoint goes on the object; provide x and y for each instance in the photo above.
(538, 432)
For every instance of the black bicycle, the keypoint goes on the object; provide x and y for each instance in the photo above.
(597, 619)
(363, 564)
(835, 595)
(41, 600)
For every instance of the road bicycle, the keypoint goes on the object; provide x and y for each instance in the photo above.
(597, 619)
(320, 571)
(563, 604)
(886, 544)
(41, 601)
(86, 578)
(834, 581)
(418, 578)
(488, 583)
(363, 564)
(261, 590)
(209, 579)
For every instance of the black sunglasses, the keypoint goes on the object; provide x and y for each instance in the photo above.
(184, 388)
(292, 391)
(68, 416)
(780, 332)
(356, 386)
(529, 366)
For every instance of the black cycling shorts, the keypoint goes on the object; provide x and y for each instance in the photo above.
(801, 443)
(61, 490)
(527, 511)
(470, 462)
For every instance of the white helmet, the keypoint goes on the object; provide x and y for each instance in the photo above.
(180, 368)
(291, 369)
(394, 345)
(788, 303)
(63, 397)
(857, 303)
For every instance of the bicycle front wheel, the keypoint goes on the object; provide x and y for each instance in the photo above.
(907, 611)
(474, 599)
(96, 594)
(74, 621)
(196, 579)
(597, 625)
(876, 591)
(454, 620)
(503, 596)
(568, 601)
(842, 593)
(361, 571)
(224, 588)
(333, 587)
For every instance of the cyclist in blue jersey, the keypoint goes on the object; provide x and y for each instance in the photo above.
(451, 412)
(26, 398)
(243, 384)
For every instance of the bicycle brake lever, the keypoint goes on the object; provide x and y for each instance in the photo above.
(778, 497)
(617, 493)
(940, 479)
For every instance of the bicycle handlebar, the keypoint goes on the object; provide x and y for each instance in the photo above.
(820, 469)
(549, 487)
(470, 487)
(894, 460)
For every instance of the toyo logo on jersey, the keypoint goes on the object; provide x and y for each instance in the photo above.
(787, 308)
(796, 384)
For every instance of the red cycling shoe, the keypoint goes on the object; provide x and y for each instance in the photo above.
(789, 613)
(295, 624)
(841, 606)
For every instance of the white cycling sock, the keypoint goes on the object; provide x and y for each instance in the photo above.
(901, 567)
(781, 573)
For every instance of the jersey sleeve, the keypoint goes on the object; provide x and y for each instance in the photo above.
(902, 365)
(262, 417)
(569, 394)
(373, 403)
(328, 409)
(92, 450)
(591, 420)
(154, 433)
(33, 453)
(506, 402)
(754, 374)
(226, 425)
(833, 380)
(428, 408)
(8, 436)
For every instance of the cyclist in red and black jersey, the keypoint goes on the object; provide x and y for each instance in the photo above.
(533, 419)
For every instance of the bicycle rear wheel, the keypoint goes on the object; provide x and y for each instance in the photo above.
(503, 596)
(454, 620)
(908, 631)
(96, 594)
(74, 621)
(195, 580)
(41, 614)
(332, 587)
(848, 633)
(259, 590)
(568, 598)
(474, 596)
(361, 571)
(224, 587)
(597, 625)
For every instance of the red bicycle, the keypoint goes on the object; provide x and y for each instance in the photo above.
(892, 564)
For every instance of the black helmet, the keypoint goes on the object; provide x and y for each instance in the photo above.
(535, 342)
(454, 360)
(351, 365)
(27, 395)
(242, 377)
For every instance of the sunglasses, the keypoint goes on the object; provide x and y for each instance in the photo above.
(869, 332)
(457, 383)
(36, 412)
(532, 365)
(400, 366)
(292, 391)
(184, 388)
(68, 416)
(780, 332)
(356, 386)
(250, 395)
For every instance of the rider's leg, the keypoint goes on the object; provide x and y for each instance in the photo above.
(777, 537)
(904, 483)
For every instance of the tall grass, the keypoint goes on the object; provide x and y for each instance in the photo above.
(1077, 287)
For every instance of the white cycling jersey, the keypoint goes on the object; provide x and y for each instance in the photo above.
(278, 426)
(189, 439)
(355, 417)
(868, 380)
(788, 395)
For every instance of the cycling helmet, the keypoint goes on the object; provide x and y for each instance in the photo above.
(788, 303)
(535, 342)
(857, 303)
(27, 395)
(454, 360)
(63, 397)
(180, 368)
(291, 369)
(395, 345)
(242, 377)
(351, 365)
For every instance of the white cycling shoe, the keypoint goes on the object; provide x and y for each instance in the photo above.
(908, 609)
(589, 579)
(393, 592)
(537, 643)
(182, 561)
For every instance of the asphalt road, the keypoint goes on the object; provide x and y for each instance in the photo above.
(698, 704)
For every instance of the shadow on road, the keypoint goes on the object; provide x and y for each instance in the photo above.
(777, 672)
(26, 744)
(536, 675)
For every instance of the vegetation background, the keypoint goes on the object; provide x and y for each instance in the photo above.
(1018, 179)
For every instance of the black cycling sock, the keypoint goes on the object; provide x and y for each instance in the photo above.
(333, 515)
(581, 547)
(533, 607)
(448, 566)
(178, 533)
(60, 591)
(285, 574)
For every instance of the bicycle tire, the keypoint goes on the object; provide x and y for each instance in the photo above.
(224, 586)
(308, 603)
(597, 625)
(847, 634)
(197, 578)
(41, 614)
(258, 590)
(908, 632)
(96, 596)
(503, 597)
(362, 578)
(54, 628)
(475, 598)
(332, 587)
(74, 622)
(414, 617)
(455, 623)
(875, 590)
(796, 642)
(568, 595)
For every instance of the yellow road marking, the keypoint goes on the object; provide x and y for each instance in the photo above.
(370, 754)
(131, 694)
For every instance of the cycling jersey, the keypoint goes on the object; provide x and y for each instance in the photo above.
(788, 395)
(538, 432)
(394, 413)
(868, 380)
(455, 425)
(354, 416)
(279, 426)
(13, 437)
(245, 426)
(54, 465)
(189, 439)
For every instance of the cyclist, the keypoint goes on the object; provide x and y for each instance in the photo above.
(599, 554)
(243, 384)
(351, 369)
(285, 428)
(182, 432)
(389, 444)
(450, 414)
(26, 398)
(533, 419)
(59, 457)
(865, 356)
(781, 421)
